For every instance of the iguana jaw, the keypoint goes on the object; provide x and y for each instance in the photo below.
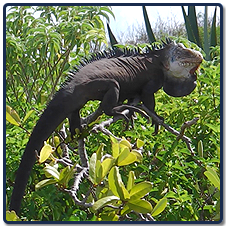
(183, 62)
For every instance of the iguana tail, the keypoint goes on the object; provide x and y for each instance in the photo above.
(57, 110)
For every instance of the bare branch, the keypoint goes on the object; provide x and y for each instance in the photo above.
(82, 153)
(186, 125)
(73, 191)
(149, 217)
(102, 125)
(78, 179)
(64, 147)
(175, 132)
(167, 127)
(77, 201)
(92, 117)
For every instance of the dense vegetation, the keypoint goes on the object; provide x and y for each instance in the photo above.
(177, 184)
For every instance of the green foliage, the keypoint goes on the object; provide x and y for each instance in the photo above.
(105, 170)
(40, 49)
(191, 25)
(193, 31)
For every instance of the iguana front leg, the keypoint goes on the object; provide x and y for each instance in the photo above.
(148, 99)
(74, 122)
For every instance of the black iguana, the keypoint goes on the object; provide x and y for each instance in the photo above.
(111, 78)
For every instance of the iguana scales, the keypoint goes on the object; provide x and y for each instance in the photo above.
(111, 77)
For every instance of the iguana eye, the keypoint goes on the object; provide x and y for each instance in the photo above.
(181, 45)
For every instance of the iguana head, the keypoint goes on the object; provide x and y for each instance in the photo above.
(180, 65)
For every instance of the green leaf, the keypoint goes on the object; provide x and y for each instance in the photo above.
(53, 171)
(200, 149)
(104, 201)
(53, 165)
(112, 38)
(116, 185)
(138, 155)
(140, 190)
(98, 172)
(115, 149)
(206, 39)
(213, 33)
(105, 216)
(11, 216)
(27, 115)
(100, 151)
(92, 168)
(140, 206)
(171, 194)
(125, 193)
(12, 116)
(126, 209)
(159, 207)
(105, 8)
(113, 140)
(140, 143)
(213, 177)
(106, 165)
(131, 179)
(126, 157)
(215, 128)
(190, 33)
(45, 182)
(126, 143)
(194, 24)
(10, 119)
(69, 175)
(45, 152)
(65, 175)
(66, 66)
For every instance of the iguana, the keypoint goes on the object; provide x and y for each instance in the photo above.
(111, 77)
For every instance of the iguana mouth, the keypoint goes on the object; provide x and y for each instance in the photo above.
(194, 69)
(190, 64)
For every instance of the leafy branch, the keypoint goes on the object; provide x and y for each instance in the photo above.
(123, 200)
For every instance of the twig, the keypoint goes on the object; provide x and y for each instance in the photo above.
(75, 187)
(167, 127)
(101, 128)
(77, 201)
(78, 179)
(64, 161)
(175, 132)
(92, 117)
(64, 147)
(149, 217)
(82, 153)
(102, 125)
(186, 125)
